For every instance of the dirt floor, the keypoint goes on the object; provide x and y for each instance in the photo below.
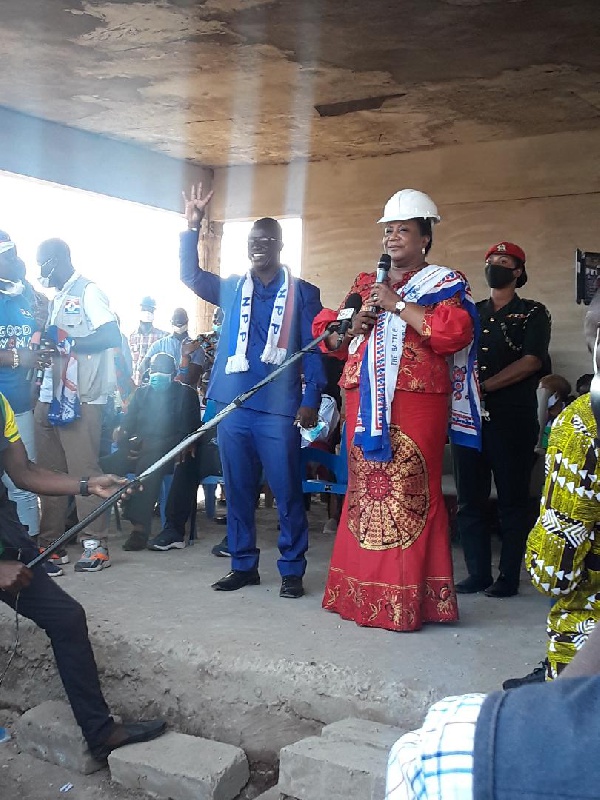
(248, 667)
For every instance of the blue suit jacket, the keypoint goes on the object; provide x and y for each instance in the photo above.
(284, 395)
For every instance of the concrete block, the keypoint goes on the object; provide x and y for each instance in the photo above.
(363, 731)
(181, 767)
(319, 767)
(49, 732)
(271, 794)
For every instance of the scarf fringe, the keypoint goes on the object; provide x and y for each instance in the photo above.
(237, 363)
(273, 355)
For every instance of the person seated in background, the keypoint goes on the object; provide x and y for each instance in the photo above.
(159, 416)
(533, 743)
(181, 500)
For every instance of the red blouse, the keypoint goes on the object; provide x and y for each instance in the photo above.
(447, 328)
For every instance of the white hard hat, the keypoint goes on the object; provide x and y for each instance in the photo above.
(410, 204)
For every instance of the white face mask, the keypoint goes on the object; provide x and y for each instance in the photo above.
(180, 328)
(147, 316)
(11, 288)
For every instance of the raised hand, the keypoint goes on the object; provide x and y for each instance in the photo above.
(195, 205)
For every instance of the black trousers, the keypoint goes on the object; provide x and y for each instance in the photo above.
(508, 440)
(139, 506)
(63, 619)
(187, 477)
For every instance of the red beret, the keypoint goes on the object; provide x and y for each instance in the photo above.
(506, 249)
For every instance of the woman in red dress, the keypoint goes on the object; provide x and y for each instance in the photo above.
(391, 565)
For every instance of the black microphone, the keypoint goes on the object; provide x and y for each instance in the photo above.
(383, 267)
(347, 313)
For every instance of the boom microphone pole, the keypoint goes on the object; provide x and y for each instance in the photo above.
(179, 448)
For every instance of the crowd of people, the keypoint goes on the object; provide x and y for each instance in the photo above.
(423, 367)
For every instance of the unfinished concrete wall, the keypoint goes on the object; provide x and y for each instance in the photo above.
(543, 193)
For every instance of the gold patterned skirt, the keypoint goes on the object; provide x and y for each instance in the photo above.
(391, 565)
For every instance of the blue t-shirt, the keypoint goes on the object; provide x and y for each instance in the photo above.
(16, 329)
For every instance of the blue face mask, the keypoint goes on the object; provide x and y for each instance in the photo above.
(217, 328)
(158, 380)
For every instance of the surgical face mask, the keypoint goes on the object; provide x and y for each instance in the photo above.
(180, 328)
(217, 328)
(11, 288)
(160, 381)
(498, 277)
(147, 316)
(46, 274)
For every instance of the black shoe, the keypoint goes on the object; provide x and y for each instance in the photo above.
(220, 520)
(237, 579)
(537, 676)
(167, 539)
(129, 733)
(137, 540)
(291, 586)
(221, 550)
(471, 585)
(502, 587)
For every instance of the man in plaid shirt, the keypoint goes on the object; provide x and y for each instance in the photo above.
(533, 742)
(146, 334)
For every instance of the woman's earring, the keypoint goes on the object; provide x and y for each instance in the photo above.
(423, 251)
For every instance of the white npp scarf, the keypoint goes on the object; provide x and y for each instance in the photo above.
(275, 349)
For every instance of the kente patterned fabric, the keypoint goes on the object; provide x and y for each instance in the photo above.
(563, 549)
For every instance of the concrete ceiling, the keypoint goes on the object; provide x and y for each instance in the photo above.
(223, 82)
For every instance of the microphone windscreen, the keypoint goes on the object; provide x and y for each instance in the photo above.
(354, 301)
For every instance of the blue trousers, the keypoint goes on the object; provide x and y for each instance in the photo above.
(250, 442)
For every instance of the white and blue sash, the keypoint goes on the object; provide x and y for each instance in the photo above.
(381, 362)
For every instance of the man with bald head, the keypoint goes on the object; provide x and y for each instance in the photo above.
(74, 392)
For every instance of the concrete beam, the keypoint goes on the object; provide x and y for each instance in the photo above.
(51, 152)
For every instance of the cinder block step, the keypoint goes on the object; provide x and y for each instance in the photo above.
(49, 732)
(363, 731)
(324, 767)
(271, 794)
(181, 767)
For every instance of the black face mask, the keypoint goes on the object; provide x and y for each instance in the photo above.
(498, 277)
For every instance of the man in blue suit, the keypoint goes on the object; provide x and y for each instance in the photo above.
(268, 316)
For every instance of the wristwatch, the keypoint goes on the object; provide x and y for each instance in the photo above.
(83, 487)
(399, 307)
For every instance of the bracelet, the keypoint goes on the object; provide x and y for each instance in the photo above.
(16, 358)
(84, 490)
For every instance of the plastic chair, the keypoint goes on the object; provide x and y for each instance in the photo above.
(337, 464)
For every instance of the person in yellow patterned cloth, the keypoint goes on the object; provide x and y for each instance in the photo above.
(563, 549)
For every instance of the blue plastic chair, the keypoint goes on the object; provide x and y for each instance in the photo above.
(336, 464)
